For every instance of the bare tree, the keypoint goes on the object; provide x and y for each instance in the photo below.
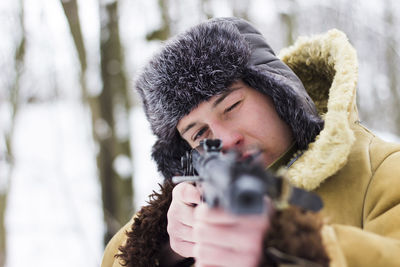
(114, 110)
(109, 110)
(164, 31)
(71, 12)
(14, 101)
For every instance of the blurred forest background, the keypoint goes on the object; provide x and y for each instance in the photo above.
(74, 144)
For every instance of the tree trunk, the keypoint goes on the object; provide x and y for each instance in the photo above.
(117, 191)
(71, 12)
(14, 100)
(164, 31)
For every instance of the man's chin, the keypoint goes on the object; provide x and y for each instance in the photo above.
(257, 157)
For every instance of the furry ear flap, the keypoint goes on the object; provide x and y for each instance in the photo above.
(167, 153)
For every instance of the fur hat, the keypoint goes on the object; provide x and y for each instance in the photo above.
(203, 62)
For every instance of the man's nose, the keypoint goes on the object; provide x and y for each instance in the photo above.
(231, 138)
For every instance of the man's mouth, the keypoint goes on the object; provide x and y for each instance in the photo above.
(252, 155)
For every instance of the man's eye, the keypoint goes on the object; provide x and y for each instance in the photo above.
(232, 107)
(200, 133)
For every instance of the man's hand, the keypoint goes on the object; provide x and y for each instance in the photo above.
(212, 236)
(185, 197)
(223, 239)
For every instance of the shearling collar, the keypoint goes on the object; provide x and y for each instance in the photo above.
(327, 65)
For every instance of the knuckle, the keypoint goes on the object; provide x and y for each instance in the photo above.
(177, 191)
(180, 233)
(182, 248)
(174, 245)
(172, 216)
(173, 228)
(170, 229)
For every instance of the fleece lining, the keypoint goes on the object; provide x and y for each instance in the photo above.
(327, 65)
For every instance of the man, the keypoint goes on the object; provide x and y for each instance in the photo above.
(220, 79)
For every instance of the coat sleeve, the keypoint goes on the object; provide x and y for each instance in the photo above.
(109, 259)
(378, 243)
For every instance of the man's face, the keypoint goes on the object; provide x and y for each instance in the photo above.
(244, 119)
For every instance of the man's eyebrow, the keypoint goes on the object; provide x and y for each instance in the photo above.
(188, 128)
(224, 95)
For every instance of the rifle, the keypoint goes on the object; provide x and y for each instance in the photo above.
(239, 186)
